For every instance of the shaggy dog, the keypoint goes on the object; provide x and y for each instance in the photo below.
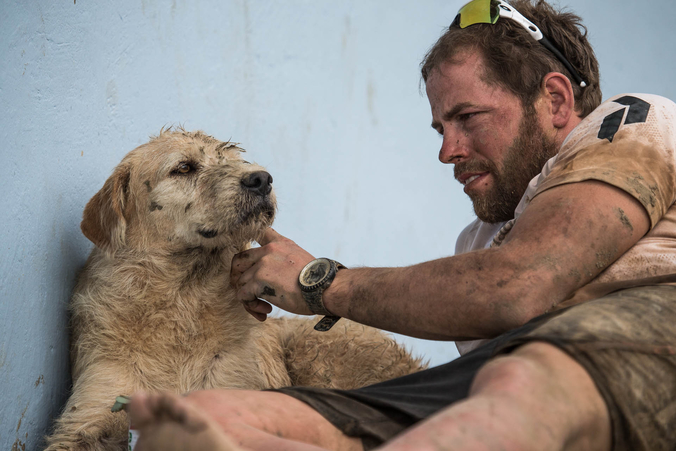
(153, 309)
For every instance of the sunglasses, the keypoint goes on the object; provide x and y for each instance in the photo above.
(489, 11)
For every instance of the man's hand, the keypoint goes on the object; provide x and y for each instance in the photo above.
(270, 272)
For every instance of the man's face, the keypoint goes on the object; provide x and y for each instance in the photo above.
(496, 145)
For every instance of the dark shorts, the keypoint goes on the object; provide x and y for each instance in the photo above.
(626, 341)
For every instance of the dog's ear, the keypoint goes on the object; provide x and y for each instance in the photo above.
(103, 220)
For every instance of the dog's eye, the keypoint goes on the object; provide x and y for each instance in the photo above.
(184, 168)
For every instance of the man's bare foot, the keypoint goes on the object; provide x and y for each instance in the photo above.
(166, 422)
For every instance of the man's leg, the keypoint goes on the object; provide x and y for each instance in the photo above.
(532, 399)
(535, 398)
(229, 420)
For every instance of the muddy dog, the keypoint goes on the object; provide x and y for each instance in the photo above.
(153, 309)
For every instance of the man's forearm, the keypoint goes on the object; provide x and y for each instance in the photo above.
(567, 236)
(561, 242)
(447, 299)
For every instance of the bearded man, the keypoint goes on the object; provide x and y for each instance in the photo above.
(566, 277)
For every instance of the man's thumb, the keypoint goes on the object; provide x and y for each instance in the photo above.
(269, 236)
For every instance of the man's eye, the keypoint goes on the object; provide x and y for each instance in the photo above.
(466, 116)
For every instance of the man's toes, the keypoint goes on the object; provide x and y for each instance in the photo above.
(152, 409)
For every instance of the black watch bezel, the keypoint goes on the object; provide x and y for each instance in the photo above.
(329, 268)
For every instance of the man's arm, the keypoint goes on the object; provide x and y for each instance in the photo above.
(565, 238)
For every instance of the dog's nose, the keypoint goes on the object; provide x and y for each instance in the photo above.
(259, 183)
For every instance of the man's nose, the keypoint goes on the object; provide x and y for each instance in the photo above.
(453, 148)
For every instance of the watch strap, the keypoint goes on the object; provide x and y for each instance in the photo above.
(315, 303)
(326, 323)
(313, 299)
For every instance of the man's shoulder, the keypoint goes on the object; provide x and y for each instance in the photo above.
(634, 100)
(633, 108)
(648, 115)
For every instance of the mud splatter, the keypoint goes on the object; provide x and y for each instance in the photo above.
(269, 291)
(575, 274)
(624, 219)
(18, 445)
(23, 414)
(603, 258)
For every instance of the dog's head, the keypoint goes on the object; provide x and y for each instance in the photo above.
(181, 190)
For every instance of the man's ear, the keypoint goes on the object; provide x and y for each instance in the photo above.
(103, 220)
(559, 94)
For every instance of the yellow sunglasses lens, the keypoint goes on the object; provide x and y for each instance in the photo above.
(477, 11)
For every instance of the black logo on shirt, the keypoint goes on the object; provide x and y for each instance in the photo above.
(638, 112)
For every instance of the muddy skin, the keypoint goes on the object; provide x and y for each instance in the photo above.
(575, 274)
(604, 258)
(624, 219)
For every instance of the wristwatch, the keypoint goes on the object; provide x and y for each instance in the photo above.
(314, 278)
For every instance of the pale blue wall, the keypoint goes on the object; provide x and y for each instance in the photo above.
(324, 93)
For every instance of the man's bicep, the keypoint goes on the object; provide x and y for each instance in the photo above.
(570, 233)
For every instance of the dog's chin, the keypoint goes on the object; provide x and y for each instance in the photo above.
(252, 224)
(248, 225)
(261, 213)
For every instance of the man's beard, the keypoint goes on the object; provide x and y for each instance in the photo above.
(524, 159)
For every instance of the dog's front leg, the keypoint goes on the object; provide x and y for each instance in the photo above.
(87, 422)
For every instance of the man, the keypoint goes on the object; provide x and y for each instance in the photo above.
(595, 224)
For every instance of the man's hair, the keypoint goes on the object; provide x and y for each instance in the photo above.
(516, 61)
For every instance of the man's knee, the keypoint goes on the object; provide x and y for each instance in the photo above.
(517, 371)
(531, 368)
(540, 377)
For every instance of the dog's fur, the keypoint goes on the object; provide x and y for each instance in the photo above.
(153, 309)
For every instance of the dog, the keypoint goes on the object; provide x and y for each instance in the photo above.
(153, 308)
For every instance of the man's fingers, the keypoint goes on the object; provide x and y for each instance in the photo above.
(246, 258)
(242, 262)
(259, 316)
(258, 306)
(269, 236)
(258, 309)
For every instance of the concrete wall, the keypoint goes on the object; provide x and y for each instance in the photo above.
(323, 93)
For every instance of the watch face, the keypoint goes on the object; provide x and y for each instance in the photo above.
(315, 272)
